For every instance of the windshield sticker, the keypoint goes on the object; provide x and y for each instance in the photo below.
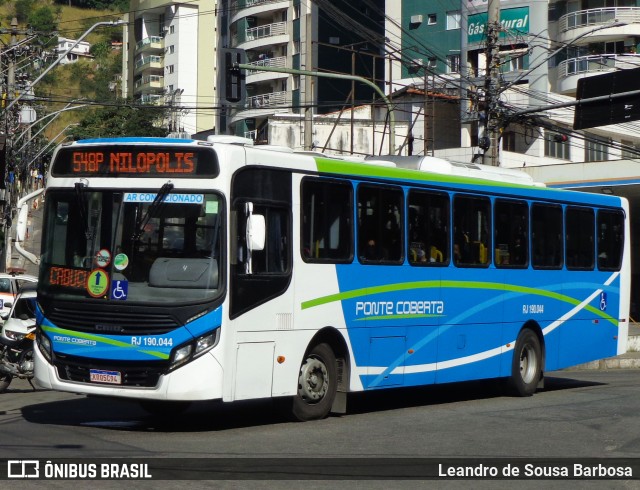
(103, 258)
(211, 207)
(120, 262)
(169, 198)
(97, 283)
(119, 290)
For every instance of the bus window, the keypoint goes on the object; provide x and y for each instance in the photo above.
(380, 227)
(546, 236)
(471, 224)
(610, 240)
(327, 216)
(511, 220)
(428, 228)
(580, 243)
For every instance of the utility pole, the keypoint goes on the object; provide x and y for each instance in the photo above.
(309, 86)
(492, 123)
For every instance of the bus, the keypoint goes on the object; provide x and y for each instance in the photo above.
(177, 270)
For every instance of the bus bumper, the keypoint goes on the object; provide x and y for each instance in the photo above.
(201, 379)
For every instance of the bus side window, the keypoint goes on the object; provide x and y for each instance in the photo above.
(471, 221)
(428, 225)
(327, 216)
(380, 224)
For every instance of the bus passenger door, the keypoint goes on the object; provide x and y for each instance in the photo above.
(260, 296)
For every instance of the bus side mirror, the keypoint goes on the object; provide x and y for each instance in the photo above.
(256, 232)
(21, 228)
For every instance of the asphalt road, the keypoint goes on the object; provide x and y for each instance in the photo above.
(579, 414)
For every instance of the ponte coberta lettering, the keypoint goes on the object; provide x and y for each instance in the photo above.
(401, 307)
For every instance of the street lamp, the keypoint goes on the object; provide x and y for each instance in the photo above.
(63, 56)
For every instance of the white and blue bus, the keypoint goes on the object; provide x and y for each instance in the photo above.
(181, 270)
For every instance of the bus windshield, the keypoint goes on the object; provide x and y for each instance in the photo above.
(146, 247)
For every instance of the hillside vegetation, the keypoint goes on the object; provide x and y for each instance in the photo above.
(88, 80)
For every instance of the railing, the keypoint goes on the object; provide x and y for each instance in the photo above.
(148, 60)
(266, 30)
(279, 62)
(594, 17)
(597, 63)
(251, 134)
(148, 41)
(151, 99)
(273, 99)
(149, 79)
(239, 4)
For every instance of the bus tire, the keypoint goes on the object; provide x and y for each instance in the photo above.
(526, 368)
(317, 384)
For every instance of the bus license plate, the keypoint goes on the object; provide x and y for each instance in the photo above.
(100, 376)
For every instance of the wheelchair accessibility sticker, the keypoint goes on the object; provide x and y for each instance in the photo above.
(603, 301)
(119, 289)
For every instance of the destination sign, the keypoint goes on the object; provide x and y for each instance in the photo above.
(135, 161)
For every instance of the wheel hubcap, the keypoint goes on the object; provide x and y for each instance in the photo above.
(528, 364)
(313, 382)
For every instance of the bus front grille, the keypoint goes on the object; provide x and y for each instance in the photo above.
(132, 374)
(111, 321)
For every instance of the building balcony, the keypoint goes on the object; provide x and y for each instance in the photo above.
(571, 70)
(255, 76)
(149, 62)
(264, 35)
(150, 83)
(592, 24)
(151, 44)
(255, 8)
(151, 99)
(263, 105)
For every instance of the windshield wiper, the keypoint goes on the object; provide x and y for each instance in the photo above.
(153, 208)
(81, 200)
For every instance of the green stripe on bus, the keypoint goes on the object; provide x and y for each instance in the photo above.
(358, 169)
(404, 286)
(102, 340)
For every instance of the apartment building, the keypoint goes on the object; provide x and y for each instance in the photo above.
(169, 58)
(545, 48)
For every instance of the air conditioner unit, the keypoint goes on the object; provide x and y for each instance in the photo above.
(416, 19)
(165, 28)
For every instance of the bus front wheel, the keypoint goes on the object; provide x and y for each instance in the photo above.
(527, 364)
(317, 384)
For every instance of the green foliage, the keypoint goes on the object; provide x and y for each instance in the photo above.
(100, 50)
(22, 9)
(120, 120)
(43, 20)
(115, 5)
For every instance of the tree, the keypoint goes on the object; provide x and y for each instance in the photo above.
(43, 20)
(121, 120)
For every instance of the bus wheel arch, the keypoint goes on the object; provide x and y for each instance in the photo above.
(527, 365)
(323, 378)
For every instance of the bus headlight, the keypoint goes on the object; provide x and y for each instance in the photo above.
(44, 344)
(186, 352)
(181, 355)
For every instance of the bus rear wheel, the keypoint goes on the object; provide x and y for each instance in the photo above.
(526, 368)
(317, 384)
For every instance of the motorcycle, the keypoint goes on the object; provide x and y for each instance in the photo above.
(17, 341)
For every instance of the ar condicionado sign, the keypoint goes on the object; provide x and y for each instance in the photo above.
(136, 161)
